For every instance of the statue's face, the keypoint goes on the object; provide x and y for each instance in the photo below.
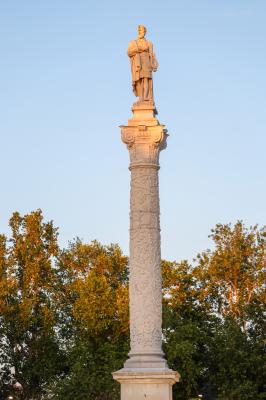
(141, 32)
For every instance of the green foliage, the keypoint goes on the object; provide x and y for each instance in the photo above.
(235, 363)
(214, 317)
(64, 318)
(96, 291)
(231, 277)
(28, 304)
(90, 365)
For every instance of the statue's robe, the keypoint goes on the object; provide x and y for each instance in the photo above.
(143, 60)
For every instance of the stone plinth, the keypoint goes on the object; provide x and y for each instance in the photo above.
(146, 385)
(145, 375)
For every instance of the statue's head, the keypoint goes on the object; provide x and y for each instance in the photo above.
(141, 31)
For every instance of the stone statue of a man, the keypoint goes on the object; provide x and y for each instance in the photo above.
(143, 63)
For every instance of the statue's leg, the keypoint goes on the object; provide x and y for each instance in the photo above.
(146, 88)
(139, 89)
(151, 89)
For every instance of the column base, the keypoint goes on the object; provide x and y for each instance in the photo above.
(146, 384)
(146, 360)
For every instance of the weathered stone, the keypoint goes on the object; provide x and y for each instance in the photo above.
(145, 374)
(147, 385)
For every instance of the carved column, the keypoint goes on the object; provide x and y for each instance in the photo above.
(145, 375)
(144, 143)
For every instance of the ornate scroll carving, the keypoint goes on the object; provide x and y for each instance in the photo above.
(144, 143)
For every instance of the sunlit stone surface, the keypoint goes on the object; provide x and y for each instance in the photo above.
(145, 375)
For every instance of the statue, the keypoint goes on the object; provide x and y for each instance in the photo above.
(143, 63)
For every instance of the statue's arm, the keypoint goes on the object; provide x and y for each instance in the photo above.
(132, 49)
(154, 61)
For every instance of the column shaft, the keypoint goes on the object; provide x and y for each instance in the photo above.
(145, 287)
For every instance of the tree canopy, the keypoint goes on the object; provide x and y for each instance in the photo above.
(64, 318)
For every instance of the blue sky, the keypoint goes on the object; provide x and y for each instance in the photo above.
(65, 88)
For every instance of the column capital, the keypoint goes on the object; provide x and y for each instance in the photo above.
(144, 136)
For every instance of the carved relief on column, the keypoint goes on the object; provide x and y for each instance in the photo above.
(145, 269)
(144, 144)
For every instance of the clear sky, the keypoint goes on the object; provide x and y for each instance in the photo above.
(65, 88)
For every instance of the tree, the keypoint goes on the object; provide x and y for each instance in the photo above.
(235, 367)
(28, 302)
(96, 292)
(231, 276)
(231, 285)
(64, 318)
(187, 327)
(214, 317)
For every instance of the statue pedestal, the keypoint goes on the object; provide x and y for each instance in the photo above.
(145, 375)
(146, 384)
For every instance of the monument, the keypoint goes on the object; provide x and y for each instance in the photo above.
(145, 375)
